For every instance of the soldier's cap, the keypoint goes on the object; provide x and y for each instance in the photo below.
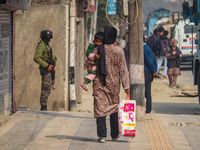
(45, 33)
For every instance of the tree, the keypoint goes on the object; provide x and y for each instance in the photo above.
(101, 18)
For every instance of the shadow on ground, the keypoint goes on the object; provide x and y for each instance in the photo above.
(65, 114)
(176, 108)
(84, 139)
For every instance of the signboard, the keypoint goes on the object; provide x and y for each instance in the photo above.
(112, 7)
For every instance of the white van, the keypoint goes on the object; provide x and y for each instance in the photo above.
(184, 33)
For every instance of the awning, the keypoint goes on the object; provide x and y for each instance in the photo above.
(14, 5)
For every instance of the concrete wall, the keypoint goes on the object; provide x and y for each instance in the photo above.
(80, 55)
(29, 24)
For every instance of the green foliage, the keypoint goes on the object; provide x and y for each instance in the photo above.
(102, 20)
(101, 16)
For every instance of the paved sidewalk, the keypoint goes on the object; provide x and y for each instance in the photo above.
(32, 130)
(35, 130)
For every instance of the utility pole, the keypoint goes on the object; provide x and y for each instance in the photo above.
(93, 23)
(95, 19)
(136, 57)
(122, 31)
(91, 29)
(72, 46)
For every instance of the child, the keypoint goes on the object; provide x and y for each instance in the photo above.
(174, 57)
(98, 40)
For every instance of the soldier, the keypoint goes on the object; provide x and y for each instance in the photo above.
(45, 58)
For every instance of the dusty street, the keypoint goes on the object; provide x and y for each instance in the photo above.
(180, 116)
(163, 102)
(173, 124)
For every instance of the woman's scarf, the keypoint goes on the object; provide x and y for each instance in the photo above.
(172, 44)
(174, 48)
(110, 34)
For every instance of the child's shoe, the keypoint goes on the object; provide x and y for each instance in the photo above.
(84, 86)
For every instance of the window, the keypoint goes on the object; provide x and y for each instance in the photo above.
(184, 40)
(188, 29)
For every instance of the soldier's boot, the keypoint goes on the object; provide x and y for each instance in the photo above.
(43, 108)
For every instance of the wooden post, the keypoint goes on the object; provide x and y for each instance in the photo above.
(136, 58)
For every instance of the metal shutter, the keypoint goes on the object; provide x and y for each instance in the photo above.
(6, 59)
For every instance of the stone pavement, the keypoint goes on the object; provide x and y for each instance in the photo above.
(32, 130)
(35, 130)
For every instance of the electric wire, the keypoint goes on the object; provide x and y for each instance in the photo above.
(109, 18)
(136, 17)
(125, 21)
(120, 10)
(132, 1)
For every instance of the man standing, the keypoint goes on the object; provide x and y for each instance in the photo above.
(45, 58)
(150, 70)
(151, 41)
(162, 49)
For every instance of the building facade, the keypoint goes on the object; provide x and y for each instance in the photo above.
(20, 80)
(7, 49)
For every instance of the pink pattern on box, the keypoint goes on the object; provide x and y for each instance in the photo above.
(129, 133)
(127, 119)
(128, 107)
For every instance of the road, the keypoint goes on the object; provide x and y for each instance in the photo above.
(174, 123)
(184, 112)
(179, 116)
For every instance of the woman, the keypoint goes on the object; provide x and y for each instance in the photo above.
(174, 57)
(111, 68)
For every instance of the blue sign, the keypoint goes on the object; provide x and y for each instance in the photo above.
(112, 7)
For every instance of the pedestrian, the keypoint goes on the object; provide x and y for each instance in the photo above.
(162, 50)
(122, 42)
(150, 71)
(151, 41)
(47, 61)
(174, 57)
(98, 40)
(106, 86)
(126, 50)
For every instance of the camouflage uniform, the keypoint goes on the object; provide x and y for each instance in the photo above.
(46, 88)
(42, 56)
